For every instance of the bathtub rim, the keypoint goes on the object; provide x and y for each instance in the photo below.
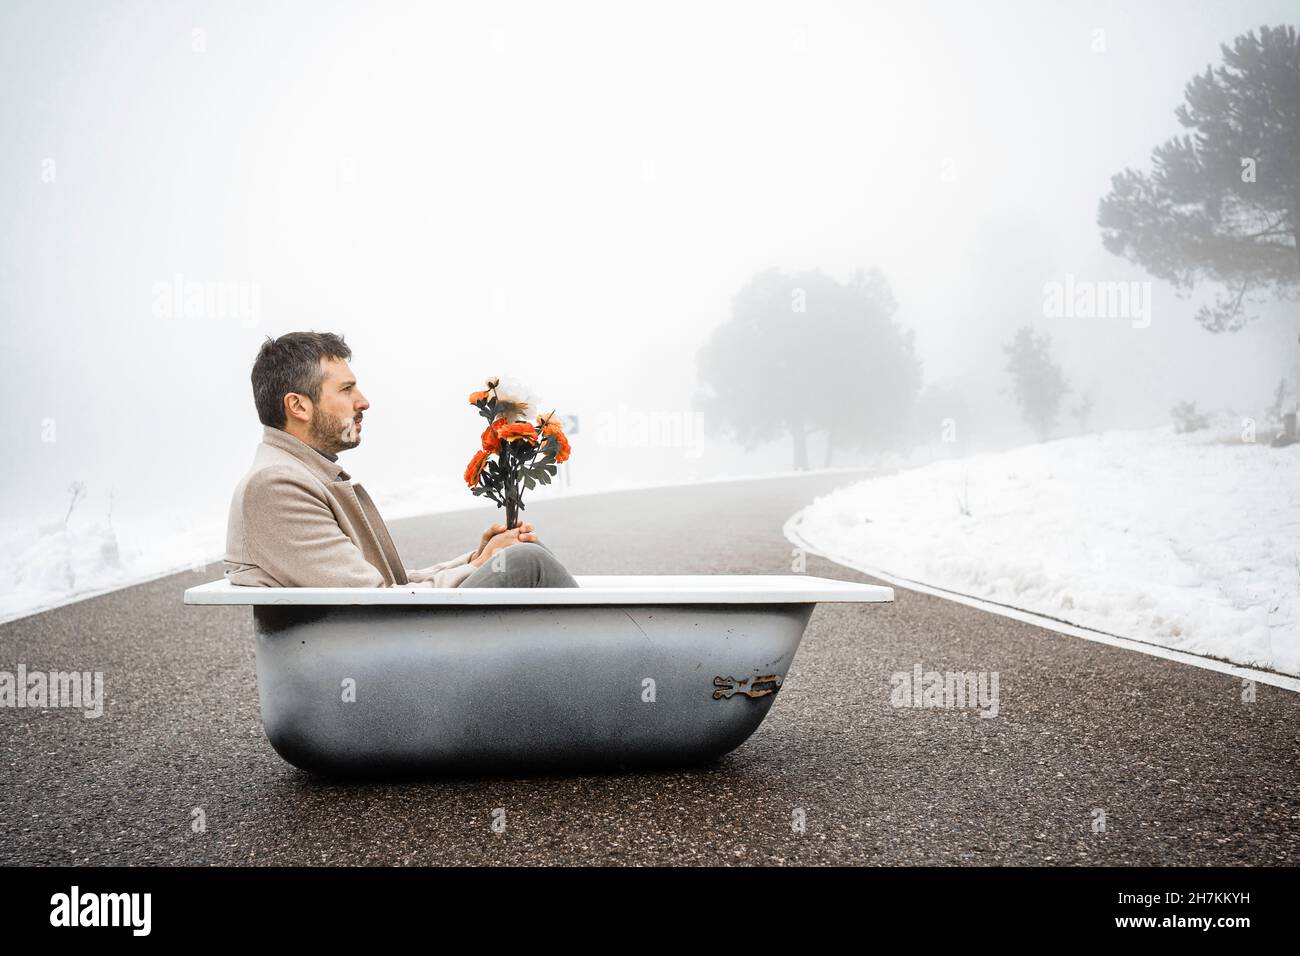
(604, 589)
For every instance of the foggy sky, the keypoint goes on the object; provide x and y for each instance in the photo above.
(566, 193)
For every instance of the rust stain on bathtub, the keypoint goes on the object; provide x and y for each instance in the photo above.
(725, 688)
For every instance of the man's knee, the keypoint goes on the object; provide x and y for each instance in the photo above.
(528, 550)
(523, 555)
(528, 564)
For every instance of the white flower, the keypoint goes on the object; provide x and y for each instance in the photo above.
(515, 401)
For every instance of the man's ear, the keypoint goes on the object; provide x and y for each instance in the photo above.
(296, 406)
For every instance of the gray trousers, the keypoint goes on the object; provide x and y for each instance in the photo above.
(526, 564)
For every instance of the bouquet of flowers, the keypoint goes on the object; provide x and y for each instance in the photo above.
(526, 452)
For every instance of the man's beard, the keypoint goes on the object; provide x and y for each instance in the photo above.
(330, 434)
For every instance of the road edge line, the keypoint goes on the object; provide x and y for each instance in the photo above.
(1272, 678)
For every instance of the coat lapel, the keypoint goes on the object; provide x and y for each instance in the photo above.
(368, 530)
(377, 527)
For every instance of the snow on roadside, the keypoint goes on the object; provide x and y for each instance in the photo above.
(51, 564)
(1188, 541)
(43, 566)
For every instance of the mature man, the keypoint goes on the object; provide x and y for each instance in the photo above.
(297, 519)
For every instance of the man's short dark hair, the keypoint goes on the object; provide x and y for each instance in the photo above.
(291, 363)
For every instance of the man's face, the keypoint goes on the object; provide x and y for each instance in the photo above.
(336, 418)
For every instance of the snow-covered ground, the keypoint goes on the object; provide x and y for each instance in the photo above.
(1188, 541)
(46, 565)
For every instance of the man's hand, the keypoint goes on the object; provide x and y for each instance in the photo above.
(488, 535)
(497, 537)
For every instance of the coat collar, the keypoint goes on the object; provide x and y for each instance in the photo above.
(309, 456)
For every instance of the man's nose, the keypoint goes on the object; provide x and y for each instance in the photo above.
(361, 403)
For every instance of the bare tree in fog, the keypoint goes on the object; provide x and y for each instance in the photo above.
(1224, 204)
(805, 354)
(78, 490)
(1038, 382)
(1081, 410)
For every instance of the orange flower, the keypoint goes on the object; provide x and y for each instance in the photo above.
(550, 426)
(490, 441)
(475, 466)
(509, 431)
(491, 383)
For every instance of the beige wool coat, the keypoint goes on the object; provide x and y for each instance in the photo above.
(298, 520)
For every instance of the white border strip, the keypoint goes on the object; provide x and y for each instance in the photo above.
(1272, 678)
(615, 589)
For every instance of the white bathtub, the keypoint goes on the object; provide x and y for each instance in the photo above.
(624, 670)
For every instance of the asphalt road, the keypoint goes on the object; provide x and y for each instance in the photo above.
(1184, 770)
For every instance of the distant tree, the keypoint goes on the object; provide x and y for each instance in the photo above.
(804, 354)
(1038, 383)
(1222, 205)
(1274, 412)
(873, 360)
(77, 489)
(1187, 418)
(1081, 410)
(942, 414)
